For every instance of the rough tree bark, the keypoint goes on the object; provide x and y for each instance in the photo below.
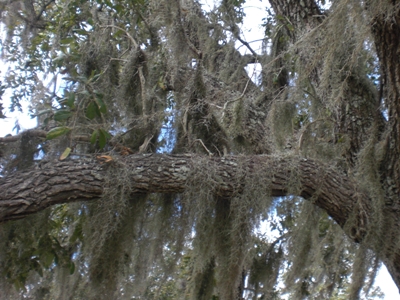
(56, 182)
(386, 32)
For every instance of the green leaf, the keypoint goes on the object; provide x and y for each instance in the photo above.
(62, 115)
(106, 133)
(19, 284)
(90, 21)
(37, 267)
(71, 268)
(102, 140)
(45, 47)
(42, 112)
(100, 103)
(118, 33)
(67, 78)
(92, 111)
(94, 136)
(67, 41)
(81, 31)
(119, 8)
(280, 17)
(65, 154)
(71, 100)
(56, 132)
(94, 76)
(103, 137)
(77, 234)
(46, 121)
(47, 259)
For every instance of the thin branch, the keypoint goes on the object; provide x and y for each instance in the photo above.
(15, 138)
(143, 92)
(126, 32)
(201, 142)
(42, 10)
(247, 45)
(145, 145)
(238, 98)
(38, 133)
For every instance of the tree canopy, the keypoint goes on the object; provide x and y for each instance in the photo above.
(158, 161)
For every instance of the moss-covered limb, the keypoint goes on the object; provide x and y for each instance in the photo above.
(386, 32)
(348, 97)
(14, 138)
(385, 28)
(38, 133)
(60, 182)
(50, 183)
(24, 193)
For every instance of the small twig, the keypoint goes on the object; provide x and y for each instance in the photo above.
(40, 134)
(184, 120)
(30, 132)
(219, 153)
(209, 152)
(117, 59)
(43, 8)
(144, 146)
(142, 86)
(247, 45)
(126, 32)
(217, 106)
(238, 98)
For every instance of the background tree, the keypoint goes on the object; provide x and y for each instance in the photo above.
(138, 77)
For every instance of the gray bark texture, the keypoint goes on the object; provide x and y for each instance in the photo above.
(57, 182)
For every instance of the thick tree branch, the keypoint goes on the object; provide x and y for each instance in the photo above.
(80, 180)
(14, 138)
(32, 133)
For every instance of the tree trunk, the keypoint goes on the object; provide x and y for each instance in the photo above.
(362, 107)
(386, 33)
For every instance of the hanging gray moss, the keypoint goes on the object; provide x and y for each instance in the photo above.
(158, 59)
